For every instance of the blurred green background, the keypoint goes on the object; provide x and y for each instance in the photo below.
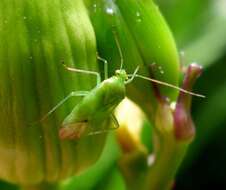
(199, 27)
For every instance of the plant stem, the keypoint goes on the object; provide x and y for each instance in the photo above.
(161, 174)
(174, 130)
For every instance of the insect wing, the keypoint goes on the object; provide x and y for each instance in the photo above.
(110, 123)
(73, 131)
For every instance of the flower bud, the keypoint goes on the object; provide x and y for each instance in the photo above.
(184, 126)
(36, 36)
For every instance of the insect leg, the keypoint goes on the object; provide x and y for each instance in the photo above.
(105, 66)
(115, 122)
(84, 71)
(72, 94)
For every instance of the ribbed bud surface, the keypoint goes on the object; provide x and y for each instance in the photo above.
(35, 37)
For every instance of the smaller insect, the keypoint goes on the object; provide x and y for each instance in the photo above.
(91, 114)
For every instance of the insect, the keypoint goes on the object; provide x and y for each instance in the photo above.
(92, 113)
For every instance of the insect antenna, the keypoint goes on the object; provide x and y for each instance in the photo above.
(134, 75)
(119, 49)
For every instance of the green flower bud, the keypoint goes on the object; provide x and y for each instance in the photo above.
(154, 41)
(35, 37)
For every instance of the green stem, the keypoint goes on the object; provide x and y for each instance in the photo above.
(168, 153)
(175, 130)
(161, 174)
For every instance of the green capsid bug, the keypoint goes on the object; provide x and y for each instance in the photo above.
(92, 113)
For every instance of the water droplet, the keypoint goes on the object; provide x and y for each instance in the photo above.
(24, 17)
(94, 7)
(110, 11)
(161, 70)
(173, 105)
(168, 99)
(138, 17)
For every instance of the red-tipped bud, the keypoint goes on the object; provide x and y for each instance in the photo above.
(184, 126)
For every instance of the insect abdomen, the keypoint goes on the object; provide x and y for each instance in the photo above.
(99, 103)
